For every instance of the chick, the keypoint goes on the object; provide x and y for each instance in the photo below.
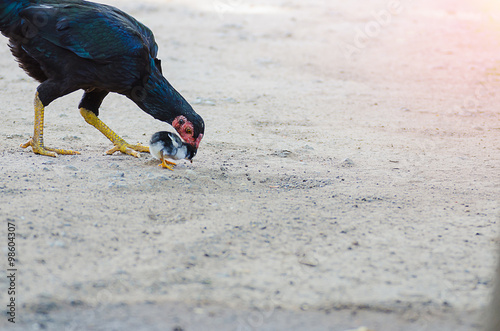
(167, 145)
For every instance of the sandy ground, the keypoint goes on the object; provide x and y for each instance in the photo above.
(348, 176)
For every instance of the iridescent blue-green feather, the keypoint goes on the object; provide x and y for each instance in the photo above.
(69, 45)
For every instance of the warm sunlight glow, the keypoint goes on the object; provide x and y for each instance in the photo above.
(490, 5)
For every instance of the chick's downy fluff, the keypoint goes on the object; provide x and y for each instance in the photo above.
(167, 145)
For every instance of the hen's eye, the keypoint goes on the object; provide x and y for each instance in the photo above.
(189, 131)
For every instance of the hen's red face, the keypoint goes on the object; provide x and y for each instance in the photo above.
(186, 131)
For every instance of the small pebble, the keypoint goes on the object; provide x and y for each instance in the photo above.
(282, 153)
(204, 101)
(230, 100)
(347, 163)
(57, 244)
(163, 178)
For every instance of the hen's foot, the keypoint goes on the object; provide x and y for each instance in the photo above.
(129, 149)
(48, 151)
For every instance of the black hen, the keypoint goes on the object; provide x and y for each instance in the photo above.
(74, 44)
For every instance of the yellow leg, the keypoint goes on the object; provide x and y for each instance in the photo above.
(167, 164)
(120, 144)
(36, 142)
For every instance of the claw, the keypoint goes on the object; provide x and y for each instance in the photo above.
(169, 167)
(140, 148)
(120, 144)
(36, 142)
(128, 149)
(124, 149)
(47, 151)
(167, 164)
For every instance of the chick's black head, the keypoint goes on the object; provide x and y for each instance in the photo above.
(191, 152)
